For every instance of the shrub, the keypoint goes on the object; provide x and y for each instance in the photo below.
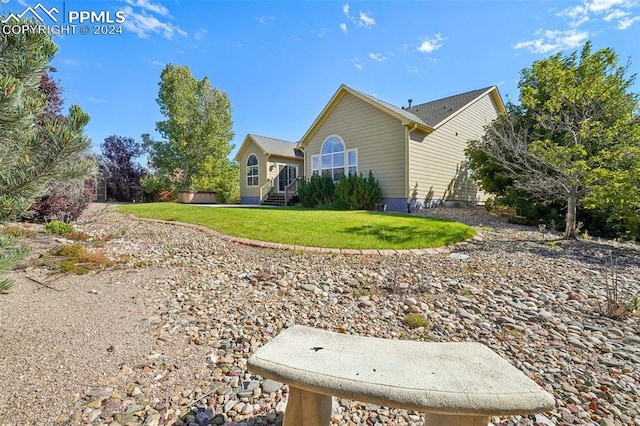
(526, 210)
(413, 203)
(355, 192)
(78, 260)
(11, 255)
(317, 190)
(59, 228)
(416, 321)
(16, 231)
(66, 204)
(77, 236)
(621, 295)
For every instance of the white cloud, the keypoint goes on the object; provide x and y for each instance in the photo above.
(93, 100)
(615, 11)
(200, 34)
(345, 10)
(616, 14)
(604, 5)
(150, 6)
(264, 20)
(322, 32)
(378, 57)
(357, 64)
(143, 24)
(625, 23)
(432, 44)
(70, 62)
(154, 62)
(366, 20)
(554, 41)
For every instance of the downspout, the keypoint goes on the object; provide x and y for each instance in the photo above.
(266, 166)
(407, 184)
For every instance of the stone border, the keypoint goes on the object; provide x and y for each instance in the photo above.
(318, 250)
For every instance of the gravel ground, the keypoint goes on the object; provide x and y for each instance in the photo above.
(163, 336)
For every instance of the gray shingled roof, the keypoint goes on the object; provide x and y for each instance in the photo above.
(278, 146)
(405, 113)
(434, 112)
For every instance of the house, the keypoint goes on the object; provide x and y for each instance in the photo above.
(416, 150)
(267, 167)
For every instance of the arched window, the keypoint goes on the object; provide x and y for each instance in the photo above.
(252, 170)
(332, 158)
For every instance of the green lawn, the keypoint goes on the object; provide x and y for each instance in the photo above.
(314, 228)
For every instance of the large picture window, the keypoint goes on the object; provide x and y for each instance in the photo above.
(252, 170)
(332, 158)
(334, 161)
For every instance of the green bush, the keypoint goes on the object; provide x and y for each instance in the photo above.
(57, 227)
(416, 321)
(355, 192)
(351, 192)
(315, 191)
(522, 209)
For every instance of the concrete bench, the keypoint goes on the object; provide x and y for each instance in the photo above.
(459, 384)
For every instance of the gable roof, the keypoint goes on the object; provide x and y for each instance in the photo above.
(271, 146)
(435, 112)
(426, 117)
(409, 115)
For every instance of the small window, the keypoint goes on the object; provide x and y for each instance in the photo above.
(352, 164)
(315, 165)
(252, 171)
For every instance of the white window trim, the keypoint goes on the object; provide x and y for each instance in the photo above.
(346, 163)
(346, 158)
(317, 157)
(257, 175)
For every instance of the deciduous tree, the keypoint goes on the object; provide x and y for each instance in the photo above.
(123, 174)
(196, 133)
(573, 111)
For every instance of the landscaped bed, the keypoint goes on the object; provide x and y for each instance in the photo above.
(314, 228)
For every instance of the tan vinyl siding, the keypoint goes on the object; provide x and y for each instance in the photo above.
(436, 161)
(252, 191)
(272, 172)
(378, 137)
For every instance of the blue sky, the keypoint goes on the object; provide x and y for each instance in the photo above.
(281, 61)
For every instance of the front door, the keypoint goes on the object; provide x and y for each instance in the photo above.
(286, 175)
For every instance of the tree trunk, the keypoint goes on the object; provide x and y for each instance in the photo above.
(572, 205)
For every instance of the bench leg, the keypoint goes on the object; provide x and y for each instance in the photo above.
(307, 408)
(455, 420)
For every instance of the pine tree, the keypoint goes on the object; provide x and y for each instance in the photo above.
(33, 154)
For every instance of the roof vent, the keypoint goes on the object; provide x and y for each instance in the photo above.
(410, 102)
